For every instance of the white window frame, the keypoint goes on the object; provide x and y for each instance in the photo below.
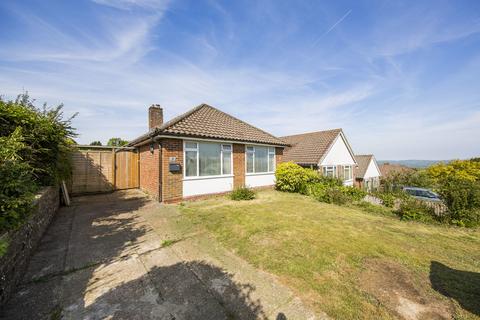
(351, 173)
(198, 176)
(270, 151)
(326, 169)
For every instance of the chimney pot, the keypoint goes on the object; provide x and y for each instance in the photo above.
(155, 116)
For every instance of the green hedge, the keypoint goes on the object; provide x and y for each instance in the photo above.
(35, 146)
(46, 134)
(16, 182)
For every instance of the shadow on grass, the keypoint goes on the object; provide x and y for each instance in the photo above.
(462, 286)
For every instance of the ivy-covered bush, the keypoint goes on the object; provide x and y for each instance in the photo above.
(242, 193)
(35, 146)
(16, 185)
(291, 177)
(45, 132)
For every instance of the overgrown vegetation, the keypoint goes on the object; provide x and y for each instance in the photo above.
(35, 146)
(291, 177)
(242, 193)
(457, 183)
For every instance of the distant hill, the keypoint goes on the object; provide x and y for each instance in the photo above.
(413, 163)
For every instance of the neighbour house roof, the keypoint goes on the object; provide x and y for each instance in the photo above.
(311, 148)
(363, 161)
(205, 121)
(387, 169)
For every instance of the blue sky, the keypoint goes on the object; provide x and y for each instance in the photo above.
(402, 78)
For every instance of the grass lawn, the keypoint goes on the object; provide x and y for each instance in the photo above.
(348, 262)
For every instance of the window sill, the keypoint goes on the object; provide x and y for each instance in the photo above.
(259, 173)
(208, 177)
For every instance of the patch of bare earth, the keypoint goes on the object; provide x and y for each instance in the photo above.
(394, 287)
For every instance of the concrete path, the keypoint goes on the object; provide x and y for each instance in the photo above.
(123, 256)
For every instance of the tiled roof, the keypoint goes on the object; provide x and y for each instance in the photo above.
(362, 164)
(387, 169)
(206, 121)
(309, 148)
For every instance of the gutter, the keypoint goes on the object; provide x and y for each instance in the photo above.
(154, 138)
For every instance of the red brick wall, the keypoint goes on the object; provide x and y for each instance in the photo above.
(150, 170)
(172, 183)
(278, 155)
(238, 165)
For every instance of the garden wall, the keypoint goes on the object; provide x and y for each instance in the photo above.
(23, 241)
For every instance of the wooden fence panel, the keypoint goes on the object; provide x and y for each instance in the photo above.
(92, 171)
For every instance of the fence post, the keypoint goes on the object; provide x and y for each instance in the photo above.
(114, 168)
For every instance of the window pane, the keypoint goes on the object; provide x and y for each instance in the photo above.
(249, 162)
(190, 163)
(227, 162)
(209, 160)
(191, 145)
(250, 149)
(271, 162)
(261, 159)
(226, 147)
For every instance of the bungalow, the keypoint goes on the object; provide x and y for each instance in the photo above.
(204, 151)
(326, 151)
(367, 173)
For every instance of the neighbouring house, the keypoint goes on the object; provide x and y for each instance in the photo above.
(204, 151)
(367, 172)
(327, 151)
(388, 169)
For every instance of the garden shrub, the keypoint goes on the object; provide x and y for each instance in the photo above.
(395, 181)
(16, 186)
(373, 208)
(355, 194)
(330, 194)
(388, 198)
(242, 193)
(336, 195)
(413, 209)
(35, 150)
(291, 177)
(45, 132)
(462, 198)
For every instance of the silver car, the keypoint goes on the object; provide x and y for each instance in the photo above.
(422, 194)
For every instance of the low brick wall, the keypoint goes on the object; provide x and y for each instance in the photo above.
(23, 241)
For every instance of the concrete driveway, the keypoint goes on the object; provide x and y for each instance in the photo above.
(124, 256)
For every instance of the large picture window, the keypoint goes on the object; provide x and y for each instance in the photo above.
(207, 159)
(260, 159)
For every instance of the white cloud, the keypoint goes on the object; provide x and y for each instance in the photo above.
(130, 4)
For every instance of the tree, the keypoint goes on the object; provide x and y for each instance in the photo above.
(116, 142)
(95, 143)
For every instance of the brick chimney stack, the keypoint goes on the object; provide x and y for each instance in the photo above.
(155, 116)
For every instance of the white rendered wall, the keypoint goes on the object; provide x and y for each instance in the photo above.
(260, 180)
(372, 171)
(195, 187)
(338, 154)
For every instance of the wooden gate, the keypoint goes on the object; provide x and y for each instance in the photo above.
(126, 169)
(99, 169)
